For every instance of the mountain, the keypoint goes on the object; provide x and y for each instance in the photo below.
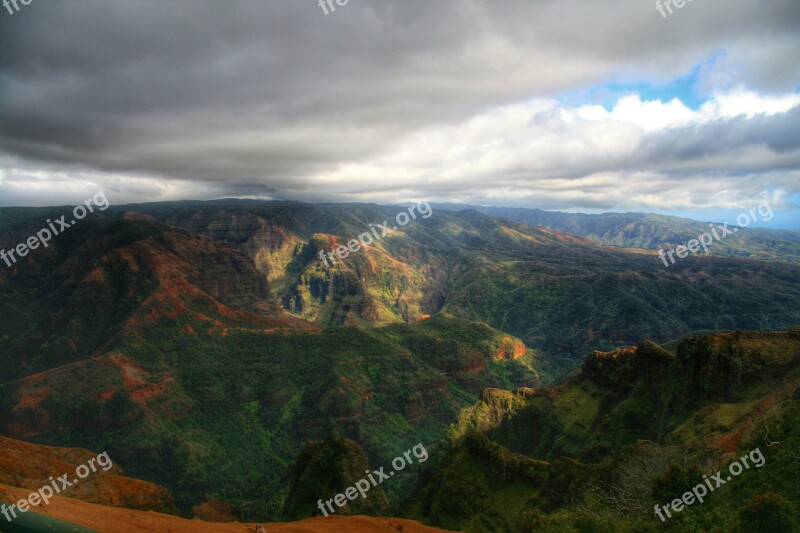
(207, 347)
(636, 427)
(562, 295)
(656, 232)
(164, 347)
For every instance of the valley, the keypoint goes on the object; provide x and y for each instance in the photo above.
(204, 345)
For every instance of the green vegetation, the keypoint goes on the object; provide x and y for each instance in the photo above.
(561, 295)
(625, 421)
(156, 337)
(237, 408)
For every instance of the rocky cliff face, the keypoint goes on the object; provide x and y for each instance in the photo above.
(626, 366)
(382, 284)
(632, 422)
(511, 349)
(717, 367)
(646, 392)
(559, 293)
(374, 285)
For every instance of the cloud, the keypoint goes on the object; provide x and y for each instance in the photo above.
(389, 101)
(638, 154)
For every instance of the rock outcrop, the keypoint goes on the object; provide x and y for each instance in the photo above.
(327, 468)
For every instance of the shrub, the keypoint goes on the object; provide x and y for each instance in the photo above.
(768, 512)
(676, 481)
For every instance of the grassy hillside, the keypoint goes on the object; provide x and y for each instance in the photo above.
(636, 428)
(171, 406)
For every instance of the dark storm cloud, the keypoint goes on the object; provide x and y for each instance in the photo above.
(263, 97)
(780, 134)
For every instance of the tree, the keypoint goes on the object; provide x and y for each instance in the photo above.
(768, 512)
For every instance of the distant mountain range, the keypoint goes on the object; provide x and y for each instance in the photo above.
(651, 232)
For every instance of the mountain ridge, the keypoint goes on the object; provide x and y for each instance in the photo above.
(650, 231)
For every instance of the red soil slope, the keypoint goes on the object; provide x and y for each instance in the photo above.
(115, 520)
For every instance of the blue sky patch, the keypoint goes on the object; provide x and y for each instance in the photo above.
(686, 88)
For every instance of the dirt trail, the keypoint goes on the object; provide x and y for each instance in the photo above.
(117, 520)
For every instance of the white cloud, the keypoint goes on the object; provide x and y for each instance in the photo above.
(652, 115)
(741, 102)
(582, 156)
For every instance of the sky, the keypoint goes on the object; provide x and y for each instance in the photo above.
(563, 105)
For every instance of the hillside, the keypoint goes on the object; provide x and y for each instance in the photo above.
(171, 334)
(108, 501)
(104, 519)
(636, 427)
(29, 466)
(164, 347)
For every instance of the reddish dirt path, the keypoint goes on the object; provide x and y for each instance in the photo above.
(117, 520)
